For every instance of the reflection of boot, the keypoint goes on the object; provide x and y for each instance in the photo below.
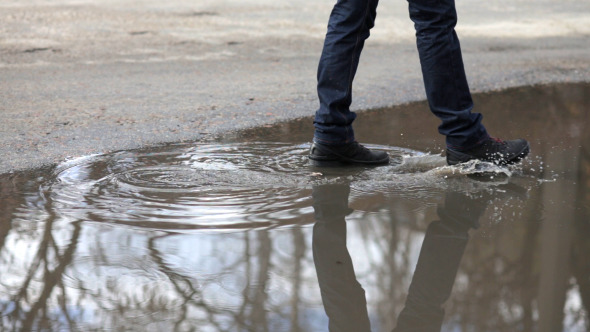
(461, 212)
(442, 249)
(330, 202)
(343, 297)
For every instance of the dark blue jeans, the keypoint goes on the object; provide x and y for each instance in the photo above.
(442, 69)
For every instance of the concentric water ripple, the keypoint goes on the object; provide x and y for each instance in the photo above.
(226, 186)
(189, 186)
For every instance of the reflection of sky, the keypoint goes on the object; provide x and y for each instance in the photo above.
(114, 265)
(124, 262)
(573, 303)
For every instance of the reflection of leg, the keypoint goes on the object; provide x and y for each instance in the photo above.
(444, 76)
(348, 29)
(433, 279)
(442, 249)
(342, 295)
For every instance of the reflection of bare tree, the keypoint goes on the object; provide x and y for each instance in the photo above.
(496, 278)
(497, 283)
(518, 277)
(181, 303)
(298, 286)
(252, 311)
(525, 276)
(10, 201)
(259, 296)
(49, 264)
(581, 246)
(186, 289)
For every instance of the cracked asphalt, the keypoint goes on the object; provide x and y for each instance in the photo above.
(80, 77)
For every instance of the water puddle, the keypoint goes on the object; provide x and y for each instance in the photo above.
(239, 233)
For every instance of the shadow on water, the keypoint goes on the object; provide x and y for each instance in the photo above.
(240, 234)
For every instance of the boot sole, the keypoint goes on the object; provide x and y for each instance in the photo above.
(345, 163)
(333, 159)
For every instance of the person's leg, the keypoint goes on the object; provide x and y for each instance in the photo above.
(447, 89)
(440, 256)
(444, 76)
(334, 143)
(348, 28)
(342, 295)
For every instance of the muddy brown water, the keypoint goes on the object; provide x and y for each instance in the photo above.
(239, 233)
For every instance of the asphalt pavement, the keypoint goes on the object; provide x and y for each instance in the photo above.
(84, 77)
